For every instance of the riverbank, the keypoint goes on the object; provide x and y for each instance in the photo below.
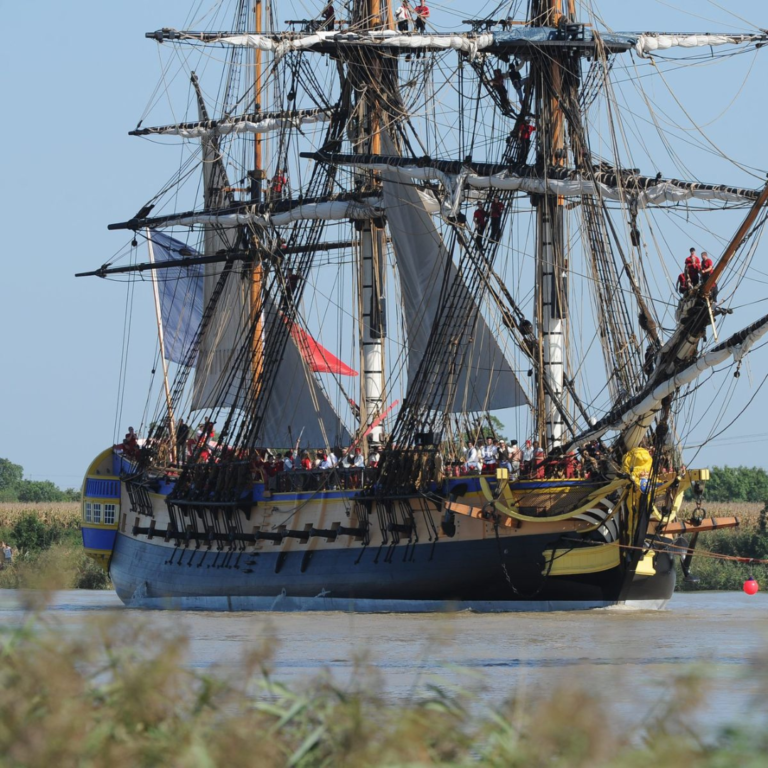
(47, 543)
(47, 547)
(750, 539)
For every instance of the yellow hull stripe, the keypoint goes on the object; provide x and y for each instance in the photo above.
(572, 562)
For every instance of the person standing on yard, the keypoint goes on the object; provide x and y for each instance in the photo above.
(7, 556)
(403, 15)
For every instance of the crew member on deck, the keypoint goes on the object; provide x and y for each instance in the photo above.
(481, 220)
(490, 455)
(473, 458)
(131, 445)
(528, 457)
(682, 284)
(182, 435)
(515, 460)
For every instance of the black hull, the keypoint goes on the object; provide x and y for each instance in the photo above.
(447, 572)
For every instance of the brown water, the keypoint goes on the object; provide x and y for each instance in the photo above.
(631, 657)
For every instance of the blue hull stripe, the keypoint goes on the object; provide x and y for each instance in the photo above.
(99, 538)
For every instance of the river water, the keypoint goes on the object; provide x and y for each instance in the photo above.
(632, 658)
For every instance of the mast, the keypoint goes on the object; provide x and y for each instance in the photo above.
(257, 271)
(551, 265)
(372, 253)
(161, 340)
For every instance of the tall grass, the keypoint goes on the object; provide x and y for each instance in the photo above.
(750, 539)
(120, 694)
(48, 548)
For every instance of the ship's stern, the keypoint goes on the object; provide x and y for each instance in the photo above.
(100, 508)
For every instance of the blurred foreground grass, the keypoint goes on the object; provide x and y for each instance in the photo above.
(121, 694)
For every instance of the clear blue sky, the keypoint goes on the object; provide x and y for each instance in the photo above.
(77, 76)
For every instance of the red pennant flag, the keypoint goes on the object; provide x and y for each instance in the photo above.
(319, 359)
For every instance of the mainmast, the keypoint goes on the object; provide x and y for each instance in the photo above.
(368, 16)
(551, 264)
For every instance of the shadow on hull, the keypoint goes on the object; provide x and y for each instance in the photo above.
(414, 578)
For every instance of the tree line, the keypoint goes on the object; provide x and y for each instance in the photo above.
(13, 486)
(737, 484)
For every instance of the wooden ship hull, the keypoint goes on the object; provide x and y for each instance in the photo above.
(339, 549)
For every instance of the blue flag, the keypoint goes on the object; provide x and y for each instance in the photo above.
(181, 295)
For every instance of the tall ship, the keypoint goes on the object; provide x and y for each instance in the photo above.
(385, 241)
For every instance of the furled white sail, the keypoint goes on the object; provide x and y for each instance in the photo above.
(651, 42)
(665, 191)
(335, 210)
(226, 127)
(486, 381)
(469, 44)
(472, 43)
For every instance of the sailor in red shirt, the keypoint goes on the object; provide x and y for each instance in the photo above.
(277, 185)
(421, 13)
(693, 268)
(682, 284)
(707, 267)
(420, 16)
(525, 131)
(481, 220)
(497, 208)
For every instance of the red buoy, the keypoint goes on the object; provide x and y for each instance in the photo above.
(751, 586)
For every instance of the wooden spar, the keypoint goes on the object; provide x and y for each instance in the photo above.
(161, 340)
(257, 271)
(738, 239)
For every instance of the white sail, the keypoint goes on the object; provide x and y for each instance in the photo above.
(486, 381)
